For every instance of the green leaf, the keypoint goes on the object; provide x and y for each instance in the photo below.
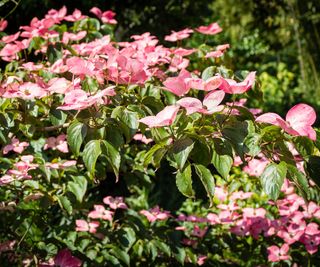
(201, 152)
(78, 187)
(65, 203)
(121, 255)
(313, 168)
(299, 179)
(184, 182)
(222, 163)
(128, 121)
(180, 255)
(57, 117)
(236, 132)
(91, 152)
(272, 179)
(54, 52)
(304, 145)
(149, 156)
(112, 155)
(181, 150)
(208, 73)
(76, 133)
(127, 238)
(163, 247)
(206, 179)
(252, 142)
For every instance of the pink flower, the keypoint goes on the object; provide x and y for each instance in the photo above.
(15, 146)
(211, 29)
(201, 259)
(178, 85)
(232, 87)
(76, 15)
(100, 212)
(3, 24)
(106, 17)
(7, 245)
(298, 120)
(58, 67)
(78, 99)
(164, 118)
(208, 85)
(210, 103)
(57, 15)
(142, 138)
(58, 143)
(84, 226)
(198, 232)
(214, 54)
(115, 203)
(183, 52)
(180, 35)
(61, 165)
(256, 167)
(278, 254)
(311, 242)
(73, 37)
(80, 66)
(155, 214)
(221, 193)
(65, 259)
(223, 47)
(10, 38)
(6, 179)
(240, 195)
(59, 85)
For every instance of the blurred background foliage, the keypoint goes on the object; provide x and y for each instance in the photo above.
(278, 38)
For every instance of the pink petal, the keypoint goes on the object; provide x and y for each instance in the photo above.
(271, 118)
(190, 104)
(213, 99)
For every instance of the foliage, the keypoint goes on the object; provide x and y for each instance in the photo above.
(87, 120)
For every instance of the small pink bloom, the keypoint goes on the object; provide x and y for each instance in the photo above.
(155, 214)
(100, 212)
(65, 259)
(80, 66)
(58, 143)
(106, 17)
(201, 260)
(57, 15)
(7, 245)
(223, 47)
(6, 179)
(180, 35)
(115, 202)
(10, 38)
(3, 24)
(84, 226)
(299, 120)
(211, 29)
(232, 87)
(76, 15)
(278, 254)
(142, 138)
(183, 52)
(164, 118)
(256, 167)
(15, 146)
(198, 232)
(213, 218)
(210, 103)
(178, 85)
(214, 54)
